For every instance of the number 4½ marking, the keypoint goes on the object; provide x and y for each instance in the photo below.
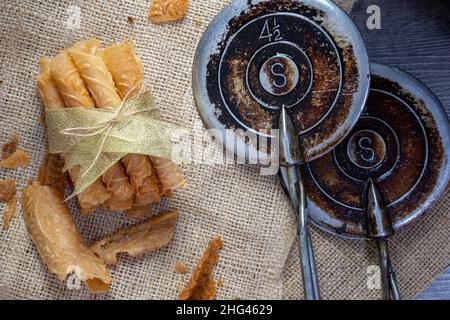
(271, 33)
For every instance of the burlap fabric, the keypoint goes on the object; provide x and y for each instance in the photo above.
(259, 259)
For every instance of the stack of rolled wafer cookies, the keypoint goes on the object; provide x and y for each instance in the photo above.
(86, 75)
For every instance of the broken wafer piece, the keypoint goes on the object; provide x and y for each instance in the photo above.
(7, 189)
(167, 10)
(136, 240)
(201, 285)
(57, 240)
(10, 147)
(220, 282)
(9, 212)
(18, 159)
(8, 195)
(13, 157)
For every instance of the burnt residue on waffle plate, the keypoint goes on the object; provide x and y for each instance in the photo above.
(401, 141)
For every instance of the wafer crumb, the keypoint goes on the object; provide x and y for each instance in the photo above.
(18, 159)
(7, 189)
(201, 285)
(10, 147)
(180, 267)
(167, 10)
(9, 212)
(8, 195)
(220, 282)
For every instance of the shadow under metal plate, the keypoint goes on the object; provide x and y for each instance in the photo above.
(257, 56)
(401, 141)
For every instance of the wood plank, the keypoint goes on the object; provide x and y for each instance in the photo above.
(414, 36)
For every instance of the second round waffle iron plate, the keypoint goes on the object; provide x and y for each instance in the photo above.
(400, 141)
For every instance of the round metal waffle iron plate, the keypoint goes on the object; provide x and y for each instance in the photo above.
(257, 56)
(401, 141)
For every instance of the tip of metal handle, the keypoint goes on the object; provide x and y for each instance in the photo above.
(378, 219)
(290, 148)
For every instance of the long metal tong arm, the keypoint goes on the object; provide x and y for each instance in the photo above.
(379, 227)
(305, 237)
(290, 174)
(292, 182)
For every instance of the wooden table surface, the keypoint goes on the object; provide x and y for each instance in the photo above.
(414, 36)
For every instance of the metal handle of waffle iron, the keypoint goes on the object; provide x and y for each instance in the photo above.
(291, 178)
(379, 227)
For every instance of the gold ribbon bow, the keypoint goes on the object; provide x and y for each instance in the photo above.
(95, 139)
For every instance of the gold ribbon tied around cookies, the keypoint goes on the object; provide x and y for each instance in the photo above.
(95, 139)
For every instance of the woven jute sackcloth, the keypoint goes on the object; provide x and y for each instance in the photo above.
(250, 211)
